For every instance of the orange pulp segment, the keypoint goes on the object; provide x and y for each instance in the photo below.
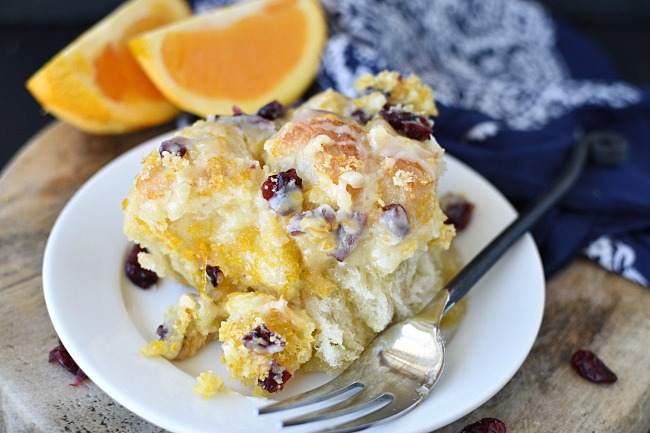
(246, 54)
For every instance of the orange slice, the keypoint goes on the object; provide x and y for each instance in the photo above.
(246, 54)
(95, 83)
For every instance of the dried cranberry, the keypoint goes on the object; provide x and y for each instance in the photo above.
(283, 191)
(408, 124)
(360, 116)
(349, 235)
(275, 183)
(277, 378)
(236, 111)
(79, 378)
(214, 274)
(273, 110)
(141, 277)
(60, 354)
(589, 366)
(395, 218)
(263, 340)
(162, 331)
(486, 425)
(176, 146)
(458, 210)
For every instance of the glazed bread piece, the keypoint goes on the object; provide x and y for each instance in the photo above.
(264, 339)
(192, 208)
(330, 212)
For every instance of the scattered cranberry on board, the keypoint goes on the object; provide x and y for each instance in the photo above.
(485, 425)
(589, 366)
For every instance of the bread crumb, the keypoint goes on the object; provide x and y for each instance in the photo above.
(208, 384)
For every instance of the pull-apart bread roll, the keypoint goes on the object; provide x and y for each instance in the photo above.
(304, 233)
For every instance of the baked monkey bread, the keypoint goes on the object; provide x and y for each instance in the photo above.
(300, 233)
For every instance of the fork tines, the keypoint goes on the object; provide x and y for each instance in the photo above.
(372, 407)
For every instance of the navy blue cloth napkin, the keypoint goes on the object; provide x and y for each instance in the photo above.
(513, 86)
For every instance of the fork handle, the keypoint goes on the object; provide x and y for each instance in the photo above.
(488, 256)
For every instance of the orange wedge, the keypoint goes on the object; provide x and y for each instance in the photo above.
(246, 54)
(95, 83)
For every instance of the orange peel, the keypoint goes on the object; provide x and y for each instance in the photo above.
(95, 83)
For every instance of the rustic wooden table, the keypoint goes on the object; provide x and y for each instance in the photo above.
(586, 307)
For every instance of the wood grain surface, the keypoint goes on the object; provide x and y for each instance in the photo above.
(586, 307)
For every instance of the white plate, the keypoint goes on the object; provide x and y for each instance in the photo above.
(103, 320)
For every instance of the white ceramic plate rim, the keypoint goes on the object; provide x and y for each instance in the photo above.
(88, 303)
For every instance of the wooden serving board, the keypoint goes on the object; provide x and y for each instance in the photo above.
(586, 307)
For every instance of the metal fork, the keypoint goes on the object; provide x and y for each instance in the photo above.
(403, 363)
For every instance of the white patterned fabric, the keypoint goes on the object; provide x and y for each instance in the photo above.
(514, 87)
